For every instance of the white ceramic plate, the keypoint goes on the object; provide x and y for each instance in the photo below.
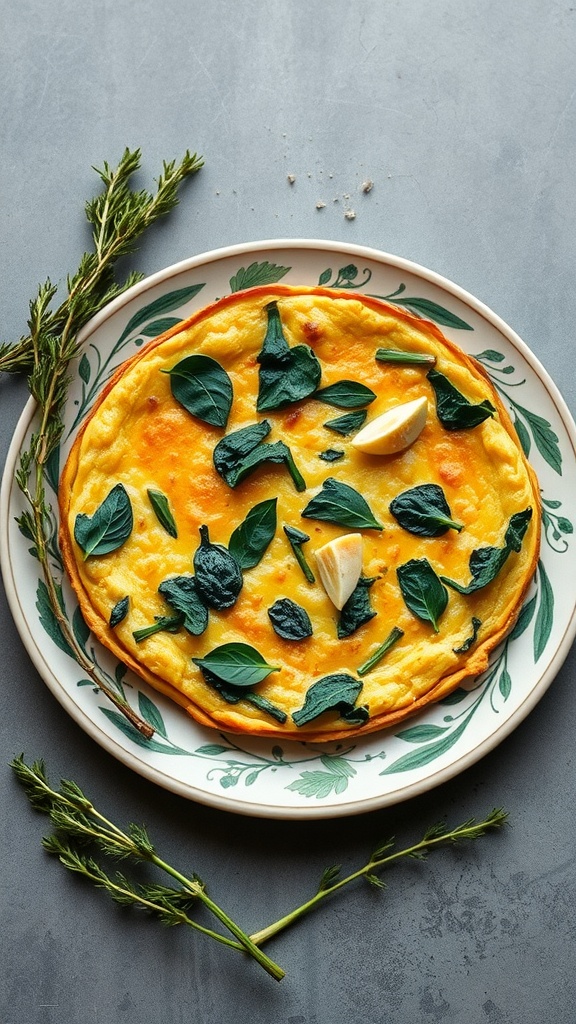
(298, 780)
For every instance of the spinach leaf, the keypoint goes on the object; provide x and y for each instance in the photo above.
(335, 692)
(339, 503)
(347, 424)
(218, 578)
(230, 452)
(296, 539)
(286, 374)
(454, 411)
(240, 453)
(391, 355)
(181, 593)
(485, 563)
(289, 620)
(277, 453)
(233, 694)
(467, 644)
(109, 527)
(236, 664)
(332, 455)
(119, 611)
(346, 394)
(203, 388)
(393, 637)
(170, 623)
(250, 540)
(357, 610)
(424, 510)
(422, 590)
(161, 507)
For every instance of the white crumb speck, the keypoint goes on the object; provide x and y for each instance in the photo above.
(320, 205)
(291, 178)
(367, 186)
(350, 215)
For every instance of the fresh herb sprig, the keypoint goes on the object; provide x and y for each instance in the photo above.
(78, 825)
(118, 216)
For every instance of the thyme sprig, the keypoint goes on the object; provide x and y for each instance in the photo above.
(118, 216)
(76, 822)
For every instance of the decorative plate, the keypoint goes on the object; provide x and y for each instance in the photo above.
(299, 780)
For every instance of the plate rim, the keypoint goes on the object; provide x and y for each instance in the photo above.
(346, 807)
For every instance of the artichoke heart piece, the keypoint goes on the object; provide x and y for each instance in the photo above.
(395, 430)
(340, 567)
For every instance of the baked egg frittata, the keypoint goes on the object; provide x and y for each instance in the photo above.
(301, 512)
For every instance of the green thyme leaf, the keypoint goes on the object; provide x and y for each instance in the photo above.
(109, 527)
(390, 355)
(394, 635)
(119, 611)
(286, 374)
(296, 539)
(346, 394)
(161, 506)
(339, 503)
(218, 578)
(289, 620)
(347, 424)
(181, 593)
(422, 590)
(237, 664)
(357, 610)
(335, 692)
(203, 388)
(454, 411)
(251, 538)
(423, 510)
(485, 563)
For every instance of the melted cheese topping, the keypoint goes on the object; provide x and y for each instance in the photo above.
(138, 435)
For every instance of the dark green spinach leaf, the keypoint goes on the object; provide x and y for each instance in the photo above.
(289, 620)
(423, 510)
(233, 694)
(286, 374)
(335, 692)
(250, 540)
(119, 611)
(485, 563)
(422, 590)
(161, 506)
(277, 453)
(347, 424)
(109, 527)
(357, 610)
(332, 455)
(181, 593)
(467, 644)
(346, 394)
(296, 539)
(218, 578)
(203, 388)
(236, 664)
(454, 411)
(339, 503)
(231, 451)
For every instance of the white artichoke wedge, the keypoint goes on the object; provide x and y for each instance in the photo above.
(340, 567)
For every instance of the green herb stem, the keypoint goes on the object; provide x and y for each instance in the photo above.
(394, 635)
(436, 837)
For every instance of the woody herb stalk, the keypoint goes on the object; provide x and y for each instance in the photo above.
(118, 216)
